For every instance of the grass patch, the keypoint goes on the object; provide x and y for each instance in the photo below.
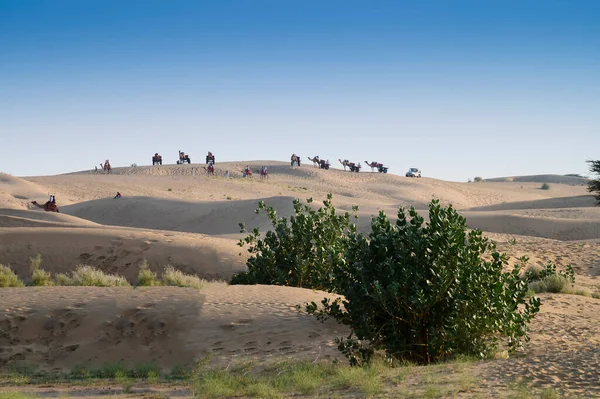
(88, 276)
(553, 283)
(8, 278)
(63, 279)
(287, 378)
(174, 277)
(146, 277)
(15, 395)
(40, 277)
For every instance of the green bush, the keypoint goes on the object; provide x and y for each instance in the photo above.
(300, 252)
(88, 276)
(425, 293)
(419, 292)
(8, 278)
(547, 279)
(40, 277)
(35, 263)
(478, 179)
(147, 277)
(174, 277)
(62, 279)
(545, 186)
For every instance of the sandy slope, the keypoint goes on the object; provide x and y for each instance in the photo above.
(118, 251)
(573, 180)
(59, 327)
(176, 214)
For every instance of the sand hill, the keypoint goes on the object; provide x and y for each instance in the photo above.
(176, 214)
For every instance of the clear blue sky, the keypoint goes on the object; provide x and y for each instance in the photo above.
(457, 88)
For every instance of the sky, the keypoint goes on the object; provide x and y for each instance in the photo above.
(456, 88)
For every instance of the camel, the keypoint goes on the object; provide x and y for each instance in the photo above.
(210, 170)
(264, 173)
(247, 172)
(183, 158)
(378, 165)
(48, 206)
(316, 161)
(295, 161)
(210, 158)
(106, 167)
(324, 164)
(354, 167)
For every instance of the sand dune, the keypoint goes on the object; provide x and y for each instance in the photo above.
(580, 201)
(59, 327)
(558, 179)
(17, 193)
(214, 218)
(42, 218)
(556, 228)
(176, 214)
(118, 251)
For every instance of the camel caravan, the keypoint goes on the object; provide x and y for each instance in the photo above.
(263, 172)
(295, 162)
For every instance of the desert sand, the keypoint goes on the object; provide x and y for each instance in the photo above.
(176, 214)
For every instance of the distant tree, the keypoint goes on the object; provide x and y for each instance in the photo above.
(594, 184)
(478, 179)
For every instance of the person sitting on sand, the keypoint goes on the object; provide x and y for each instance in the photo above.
(118, 195)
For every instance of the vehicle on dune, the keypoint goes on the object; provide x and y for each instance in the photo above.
(413, 172)
(157, 159)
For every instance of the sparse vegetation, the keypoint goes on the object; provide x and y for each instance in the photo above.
(594, 184)
(172, 276)
(63, 279)
(85, 275)
(280, 380)
(547, 279)
(146, 277)
(418, 292)
(39, 277)
(8, 278)
(545, 186)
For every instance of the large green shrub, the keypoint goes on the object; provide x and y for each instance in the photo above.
(300, 252)
(421, 292)
(427, 292)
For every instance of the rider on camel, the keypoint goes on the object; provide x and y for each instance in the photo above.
(210, 158)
